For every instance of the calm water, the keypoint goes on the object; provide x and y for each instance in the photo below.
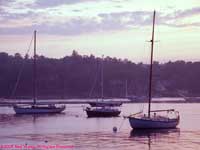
(73, 128)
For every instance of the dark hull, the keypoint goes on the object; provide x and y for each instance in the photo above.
(37, 110)
(93, 113)
(104, 103)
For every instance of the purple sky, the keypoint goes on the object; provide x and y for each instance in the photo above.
(116, 28)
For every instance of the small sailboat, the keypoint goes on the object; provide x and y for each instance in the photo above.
(36, 108)
(154, 119)
(105, 103)
(106, 111)
(103, 108)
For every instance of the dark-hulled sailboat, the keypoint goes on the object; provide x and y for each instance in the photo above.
(36, 108)
(155, 121)
(103, 108)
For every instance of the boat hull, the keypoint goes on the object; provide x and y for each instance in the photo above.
(37, 110)
(105, 103)
(137, 123)
(93, 113)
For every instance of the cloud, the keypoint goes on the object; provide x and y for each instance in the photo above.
(80, 25)
(15, 16)
(6, 2)
(181, 14)
(187, 13)
(41, 4)
(55, 3)
(76, 10)
(196, 24)
(101, 22)
(73, 27)
(177, 16)
(125, 19)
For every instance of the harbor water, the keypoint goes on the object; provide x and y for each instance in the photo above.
(73, 130)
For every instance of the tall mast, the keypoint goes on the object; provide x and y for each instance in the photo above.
(102, 78)
(126, 90)
(151, 66)
(34, 70)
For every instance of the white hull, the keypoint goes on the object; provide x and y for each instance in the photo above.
(38, 110)
(140, 123)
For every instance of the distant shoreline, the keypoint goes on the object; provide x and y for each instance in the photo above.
(11, 102)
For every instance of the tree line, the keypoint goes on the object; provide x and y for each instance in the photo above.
(78, 76)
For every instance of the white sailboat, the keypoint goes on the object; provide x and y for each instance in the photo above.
(36, 108)
(156, 121)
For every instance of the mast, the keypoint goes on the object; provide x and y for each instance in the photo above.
(102, 78)
(34, 71)
(151, 66)
(126, 90)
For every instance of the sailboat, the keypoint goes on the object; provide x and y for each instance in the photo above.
(36, 108)
(103, 108)
(156, 121)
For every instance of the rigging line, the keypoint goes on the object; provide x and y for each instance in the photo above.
(20, 72)
(122, 123)
(95, 81)
(146, 57)
(141, 108)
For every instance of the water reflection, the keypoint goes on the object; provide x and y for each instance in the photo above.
(154, 133)
(19, 119)
(150, 137)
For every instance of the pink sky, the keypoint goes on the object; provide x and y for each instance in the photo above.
(116, 28)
